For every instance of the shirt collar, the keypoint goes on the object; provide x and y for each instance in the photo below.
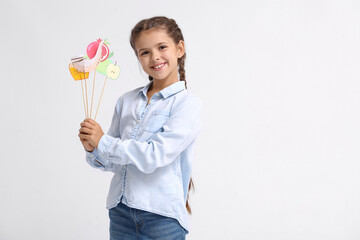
(168, 91)
(145, 89)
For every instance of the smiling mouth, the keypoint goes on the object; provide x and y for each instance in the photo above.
(159, 66)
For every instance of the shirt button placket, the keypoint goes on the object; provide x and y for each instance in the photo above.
(133, 136)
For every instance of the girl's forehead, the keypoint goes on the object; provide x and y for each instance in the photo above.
(152, 37)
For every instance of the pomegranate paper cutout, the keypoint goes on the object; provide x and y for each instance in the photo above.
(87, 65)
(97, 60)
(92, 49)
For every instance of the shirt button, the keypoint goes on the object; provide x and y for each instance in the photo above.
(138, 120)
(124, 167)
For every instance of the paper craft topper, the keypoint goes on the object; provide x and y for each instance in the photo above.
(76, 74)
(98, 57)
(97, 60)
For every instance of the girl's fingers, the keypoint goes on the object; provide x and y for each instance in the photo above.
(87, 125)
(84, 136)
(83, 140)
(85, 130)
(89, 120)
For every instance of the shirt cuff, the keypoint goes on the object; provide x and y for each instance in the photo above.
(94, 159)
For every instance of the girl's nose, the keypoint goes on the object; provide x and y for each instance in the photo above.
(156, 56)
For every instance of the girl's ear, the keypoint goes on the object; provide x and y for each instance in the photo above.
(180, 49)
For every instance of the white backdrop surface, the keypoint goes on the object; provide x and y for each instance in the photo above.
(278, 156)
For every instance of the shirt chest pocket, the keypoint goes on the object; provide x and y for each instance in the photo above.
(156, 121)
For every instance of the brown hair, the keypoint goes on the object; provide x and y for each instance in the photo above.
(173, 30)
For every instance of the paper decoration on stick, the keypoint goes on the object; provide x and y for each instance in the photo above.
(113, 71)
(76, 74)
(93, 49)
(97, 60)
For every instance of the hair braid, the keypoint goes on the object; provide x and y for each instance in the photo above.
(181, 63)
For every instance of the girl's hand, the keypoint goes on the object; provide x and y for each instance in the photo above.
(91, 132)
(88, 147)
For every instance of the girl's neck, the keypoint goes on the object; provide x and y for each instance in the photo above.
(158, 85)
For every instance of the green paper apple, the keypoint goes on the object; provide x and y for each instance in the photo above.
(113, 71)
(102, 67)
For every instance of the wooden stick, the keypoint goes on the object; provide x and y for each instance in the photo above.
(100, 98)
(92, 97)
(87, 105)
(82, 90)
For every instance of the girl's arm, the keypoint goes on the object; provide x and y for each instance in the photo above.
(180, 130)
(93, 158)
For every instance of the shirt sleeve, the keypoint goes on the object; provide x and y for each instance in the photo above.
(180, 130)
(95, 159)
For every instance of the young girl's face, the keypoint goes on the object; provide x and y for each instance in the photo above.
(158, 55)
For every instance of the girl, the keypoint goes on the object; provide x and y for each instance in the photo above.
(150, 143)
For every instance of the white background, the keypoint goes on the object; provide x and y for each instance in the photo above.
(278, 156)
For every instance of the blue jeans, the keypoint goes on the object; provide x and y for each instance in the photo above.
(133, 224)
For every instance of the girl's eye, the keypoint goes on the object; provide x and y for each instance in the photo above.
(162, 47)
(144, 53)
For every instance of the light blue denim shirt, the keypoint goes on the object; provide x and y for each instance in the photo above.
(150, 150)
